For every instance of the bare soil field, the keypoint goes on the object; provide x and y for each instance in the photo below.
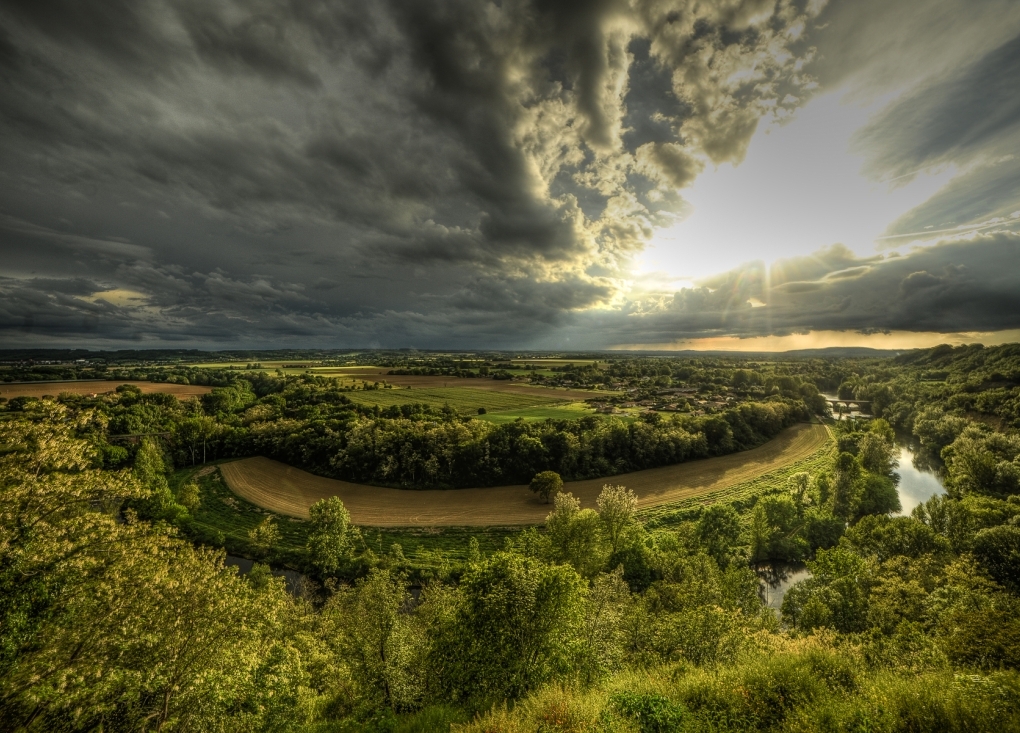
(291, 491)
(39, 389)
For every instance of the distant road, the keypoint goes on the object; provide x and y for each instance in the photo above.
(287, 490)
(101, 386)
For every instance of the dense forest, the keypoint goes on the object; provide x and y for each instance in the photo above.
(112, 619)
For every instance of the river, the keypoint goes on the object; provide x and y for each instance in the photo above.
(293, 577)
(918, 482)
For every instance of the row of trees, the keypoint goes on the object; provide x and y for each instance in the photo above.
(308, 422)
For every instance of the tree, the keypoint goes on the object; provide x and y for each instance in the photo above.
(835, 596)
(330, 540)
(366, 627)
(719, 531)
(546, 484)
(878, 495)
(189, 496)
(998, 550)
(799, 484)
(616, 506)
(847, 471)
(576, 535)
(516, 626)
(264, 536)
(108, 624)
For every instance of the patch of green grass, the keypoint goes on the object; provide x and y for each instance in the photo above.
(465, 400)
(567, 411)
(453, 542)
(741, 494)
(224, 519)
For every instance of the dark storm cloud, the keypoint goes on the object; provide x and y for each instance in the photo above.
(416, 172)
(949, 120)
(354, 172)
(950, 287)
(967, 117)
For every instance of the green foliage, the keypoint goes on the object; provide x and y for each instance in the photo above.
(652, 713)
(514, 630)
(264, 536)
(617, 506)
(546, 484)
(719, 531)
(150, 470)
(189, 496)
(600, 622)
(997, 549)
(836, 596)
(330, 540)
(575, 536)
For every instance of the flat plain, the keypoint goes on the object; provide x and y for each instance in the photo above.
(290, 491)
(461, 399)
(90, 387)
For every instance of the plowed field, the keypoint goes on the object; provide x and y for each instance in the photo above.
(38, 389)
(291, 491)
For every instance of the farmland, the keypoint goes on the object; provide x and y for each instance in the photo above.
(90, 387)
(464, 400)
(291, 491)
(552, 411)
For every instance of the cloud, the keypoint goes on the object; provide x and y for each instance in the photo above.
(951, 287)
(441, 173)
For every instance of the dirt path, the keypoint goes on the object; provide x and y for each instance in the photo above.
(90, 387)
(291, 491)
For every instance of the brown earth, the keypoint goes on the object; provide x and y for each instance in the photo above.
(89, 388)
(378, 374)
(291, 491)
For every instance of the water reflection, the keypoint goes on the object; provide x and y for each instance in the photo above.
(919, 478)
(777, 578)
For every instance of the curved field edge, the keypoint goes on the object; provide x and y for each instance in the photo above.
(290, 491)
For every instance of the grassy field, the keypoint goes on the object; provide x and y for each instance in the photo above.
(291, 491)
(742, 491)
(465, 400)
(564, 411)
(224, 519)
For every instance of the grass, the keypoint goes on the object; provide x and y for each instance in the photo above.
(806, 687)
(737, 494)
(224, 519)
(465, 400)
(566, 411)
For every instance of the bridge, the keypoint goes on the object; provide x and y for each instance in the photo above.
(862, 405)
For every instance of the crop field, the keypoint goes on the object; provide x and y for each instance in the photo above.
(291, 491)
(463, 400)
(90, 387)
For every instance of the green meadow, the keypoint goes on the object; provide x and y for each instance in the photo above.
(465, 400)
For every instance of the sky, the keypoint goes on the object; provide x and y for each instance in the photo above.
(563, 175)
